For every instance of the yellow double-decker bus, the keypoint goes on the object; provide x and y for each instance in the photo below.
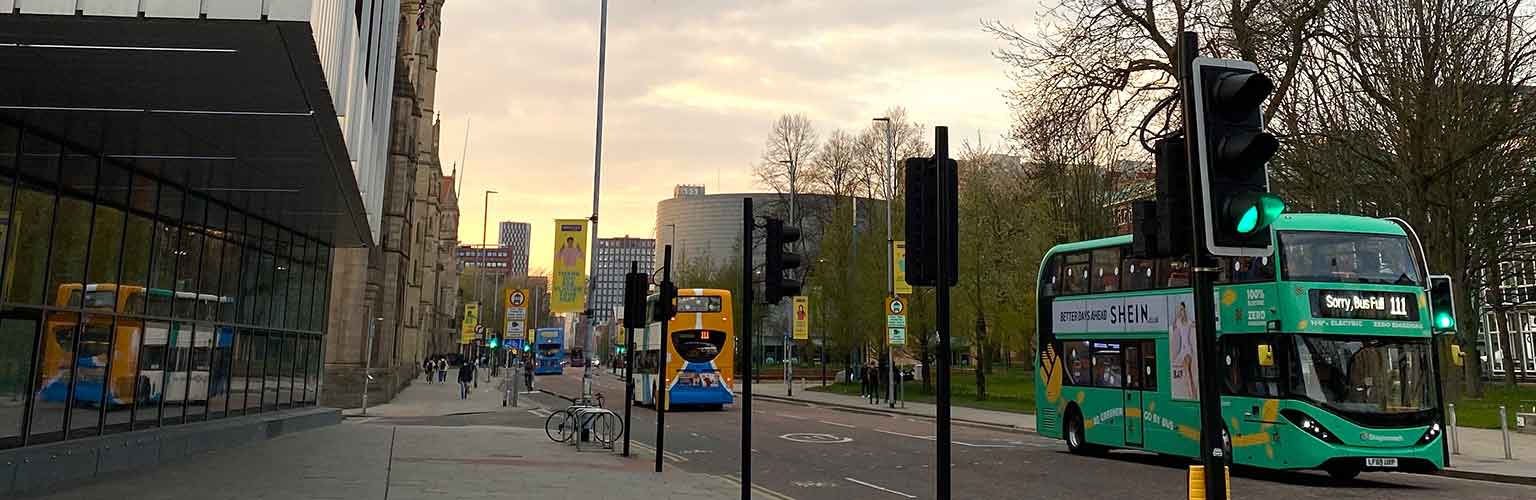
(98, 352)
(177, 358)
(699, 365)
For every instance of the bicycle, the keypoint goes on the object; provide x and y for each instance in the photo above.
(604, 425)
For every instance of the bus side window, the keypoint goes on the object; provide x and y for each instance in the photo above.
(1246, 371)
(1175, 274)
(1074, 272)
(1138, 274)
(1106, 270)
(1048, 276)
(1149, 365)
(1079, 362)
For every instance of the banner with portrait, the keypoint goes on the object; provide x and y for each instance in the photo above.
(568, 289)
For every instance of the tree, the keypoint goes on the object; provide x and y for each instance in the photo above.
(791, 145)
(1422, 111)
(906, 139)
(1000, 220)
(835, 170)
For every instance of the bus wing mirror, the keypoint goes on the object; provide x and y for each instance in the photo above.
(1266, 355)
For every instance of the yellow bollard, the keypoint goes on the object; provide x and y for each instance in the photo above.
(1197, 482)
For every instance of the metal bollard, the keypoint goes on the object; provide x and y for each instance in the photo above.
(1504, 429)
(1451, 425)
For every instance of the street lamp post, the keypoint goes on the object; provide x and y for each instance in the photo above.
(597, 184)
(890, 244)
(484, 257)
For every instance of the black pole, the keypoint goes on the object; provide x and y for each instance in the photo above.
(1212, 454)
(940, 158)
(747, 225)
(629, 370)
(662, 357)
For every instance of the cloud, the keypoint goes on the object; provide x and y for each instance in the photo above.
(692, 88)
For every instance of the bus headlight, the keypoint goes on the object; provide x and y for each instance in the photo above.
(1430, 435)
(1310, 425)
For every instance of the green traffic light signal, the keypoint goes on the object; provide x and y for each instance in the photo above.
(1258, 213)
(494, 343)
(1444, 321)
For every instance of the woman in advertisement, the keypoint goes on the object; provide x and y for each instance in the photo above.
(1182, 344)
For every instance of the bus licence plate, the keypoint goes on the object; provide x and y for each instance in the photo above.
(1381, 462)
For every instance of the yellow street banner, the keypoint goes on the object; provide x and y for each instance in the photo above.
(568, 288)
(471, 318)
(802, 314)
(899, 266)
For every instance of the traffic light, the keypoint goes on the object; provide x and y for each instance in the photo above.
(666, 302)
(1442, 304)
(1234, 154)
(1161, 227)
(635, 286)
(778, 259)
(923, 192)
(494, 342)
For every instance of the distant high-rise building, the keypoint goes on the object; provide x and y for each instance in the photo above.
(614, 256)
(514, 237)
(682, 190)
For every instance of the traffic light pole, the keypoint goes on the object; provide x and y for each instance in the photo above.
(661, 363)
(629, 364)
(1212, 453)
(748, 223)
(940, 157)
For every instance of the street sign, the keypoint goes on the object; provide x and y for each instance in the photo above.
(516, 305)
(895, 321)
(802, 315)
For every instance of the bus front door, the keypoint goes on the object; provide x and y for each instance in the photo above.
(1133, 397)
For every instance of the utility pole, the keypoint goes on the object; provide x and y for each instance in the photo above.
(941, 157)
(748, 223)
(485, 214)
(597, 178)
(890, 243)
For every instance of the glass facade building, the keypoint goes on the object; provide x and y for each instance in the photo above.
(131, 302)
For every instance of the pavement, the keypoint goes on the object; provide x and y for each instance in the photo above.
(427, 444)
(830, 450)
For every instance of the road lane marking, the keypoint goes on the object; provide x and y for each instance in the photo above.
(973, 445)
(881, 488)
(755, 488)
(796, 417)
(837, 424)
(540, 412)
(913, 436)
(665, 454)
(815, 438)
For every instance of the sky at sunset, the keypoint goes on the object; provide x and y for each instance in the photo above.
(692, 89)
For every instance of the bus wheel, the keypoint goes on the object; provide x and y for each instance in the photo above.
(1077, 442)
(1343, 472)
(1226, 446)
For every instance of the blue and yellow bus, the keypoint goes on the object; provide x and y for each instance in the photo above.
(1328, 360)
(699, 365)
(548, 351)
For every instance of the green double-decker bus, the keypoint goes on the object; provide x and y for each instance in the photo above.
(1326, 346)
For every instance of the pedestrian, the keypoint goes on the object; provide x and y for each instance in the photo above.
(442, 369)
(528, 370)
(428, 366)
(466, 377)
